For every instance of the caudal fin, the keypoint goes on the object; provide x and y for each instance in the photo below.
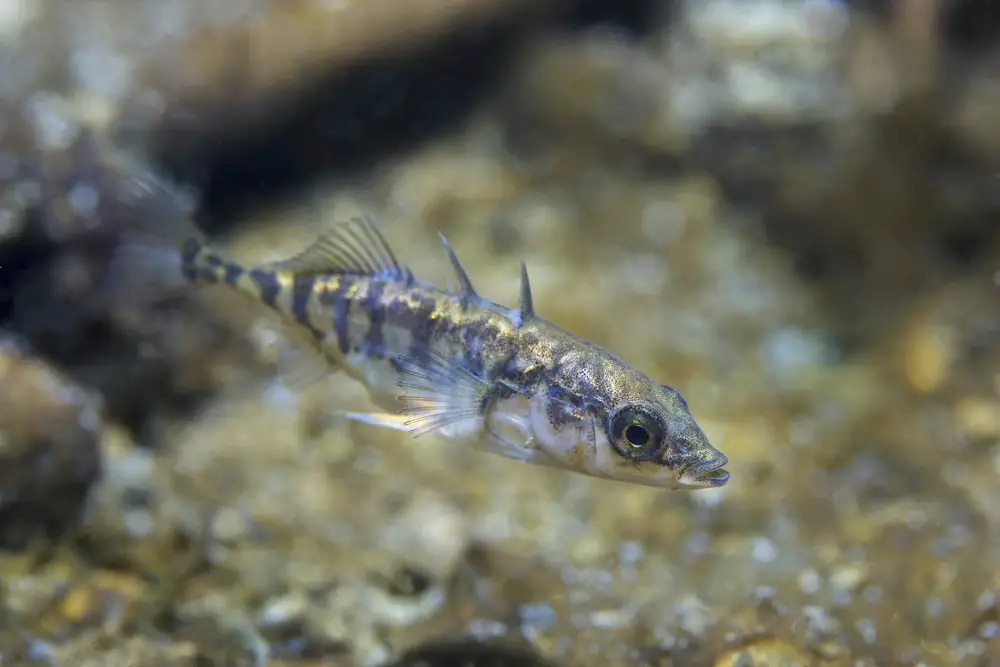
(156, 232)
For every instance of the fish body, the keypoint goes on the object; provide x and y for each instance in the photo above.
(499, 379)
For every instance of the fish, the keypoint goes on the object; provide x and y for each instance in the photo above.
(452, 363)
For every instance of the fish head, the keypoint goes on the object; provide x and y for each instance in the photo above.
(645, 435)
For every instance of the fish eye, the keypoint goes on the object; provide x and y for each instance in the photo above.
(636, 433)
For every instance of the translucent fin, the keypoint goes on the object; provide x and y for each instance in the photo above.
(155, 226)
(354, 246)
(384, 419)
(141, 274)
(466, 291)
(294, 354)
(439, 391)
(303, 367)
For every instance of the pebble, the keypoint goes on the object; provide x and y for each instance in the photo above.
(429, 534)
(928, 352)
(978, 417)
(768, 651)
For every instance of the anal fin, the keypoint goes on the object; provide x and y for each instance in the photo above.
(295, 356)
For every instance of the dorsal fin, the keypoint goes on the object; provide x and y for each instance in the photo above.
(354, 246)
(465, 289)
(526, 308)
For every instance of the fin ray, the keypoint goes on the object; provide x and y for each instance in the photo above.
(156, 221)
(526, 305)
(354, 247)
(466, 291)
(438, 391)
(296, 359)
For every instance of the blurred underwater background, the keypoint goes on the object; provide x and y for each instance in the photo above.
(789, 210)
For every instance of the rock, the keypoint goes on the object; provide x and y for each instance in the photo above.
(63, 205)
(767, 651)
(429, 534)
(94, 649)
(50, 456)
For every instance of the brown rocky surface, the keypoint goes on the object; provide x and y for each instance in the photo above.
(50, 430)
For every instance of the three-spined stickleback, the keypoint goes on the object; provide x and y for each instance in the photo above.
(498, 379)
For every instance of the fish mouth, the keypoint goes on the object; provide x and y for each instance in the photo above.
(705, 474)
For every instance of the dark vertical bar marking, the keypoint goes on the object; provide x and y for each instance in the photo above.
(416, 319)
(200, 264)
(190, 250)
(375, 337)
(267, 285)
(232, 273)
(302, 291)
(213, 260)
(341, 313)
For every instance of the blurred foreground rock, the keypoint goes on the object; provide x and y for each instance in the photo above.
(50, 456)
(64, 201)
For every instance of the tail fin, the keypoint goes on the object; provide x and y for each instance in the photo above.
(156, 237)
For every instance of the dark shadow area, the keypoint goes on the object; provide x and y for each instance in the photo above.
(347, 122)
(971, 25)
(635, 17)
(469, 653)
(343, 124)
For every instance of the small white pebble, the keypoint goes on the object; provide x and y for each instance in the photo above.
(612, 619)
(849, 577)
(229, 525)
(662, 223)
(710, 497)
(277, 394)
(694, 616)
(809, 581)
(84, 199)
(631, 552)
(790, 350)
(138, 523)
(820, 620)
(697, 544)
(866, 628)
(54, 127)
(394, 611)
(283, 610)
(482, 629)
(763, 550)
(89, 420)
(645, 273)
(429, 533)
(539, 616)
(102, 70)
